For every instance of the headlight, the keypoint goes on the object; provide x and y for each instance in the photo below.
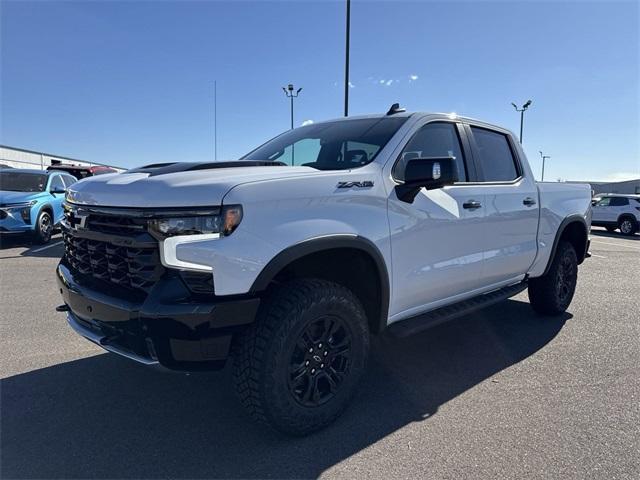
(23, 209)
(223, 223)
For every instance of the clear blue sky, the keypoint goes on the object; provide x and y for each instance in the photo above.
(131, 82)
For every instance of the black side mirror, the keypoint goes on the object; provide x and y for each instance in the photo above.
(56, 190)
(429, 173)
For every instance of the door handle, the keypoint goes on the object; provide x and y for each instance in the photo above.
(471, 204)
(529, 202)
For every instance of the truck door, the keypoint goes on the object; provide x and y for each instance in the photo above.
(435, 247)
(511, 205)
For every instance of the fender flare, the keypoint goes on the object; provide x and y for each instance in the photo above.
(331, 242)
(575, 218)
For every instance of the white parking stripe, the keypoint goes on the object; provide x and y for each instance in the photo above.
(46, 246)
(615, 244)
(597, 256)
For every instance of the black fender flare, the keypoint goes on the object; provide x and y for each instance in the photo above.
(575, 218)
(331, 242)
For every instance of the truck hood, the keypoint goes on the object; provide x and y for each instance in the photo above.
(158, 187)
(9, 197)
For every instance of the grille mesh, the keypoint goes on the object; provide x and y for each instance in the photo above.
(131, 267)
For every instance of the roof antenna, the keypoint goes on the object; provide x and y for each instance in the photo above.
(395, 108)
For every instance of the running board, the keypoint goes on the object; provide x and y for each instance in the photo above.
(424, 321)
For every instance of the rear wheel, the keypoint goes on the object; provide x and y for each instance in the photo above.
(552, 293)
(628, 225)
(44, 227)
(298, 365)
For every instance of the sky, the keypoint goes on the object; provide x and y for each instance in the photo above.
(131, 82)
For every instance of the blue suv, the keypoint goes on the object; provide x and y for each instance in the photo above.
(31, 201)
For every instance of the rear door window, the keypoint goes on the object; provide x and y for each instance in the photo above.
(496, 158)
(619, 202)
(68, 180)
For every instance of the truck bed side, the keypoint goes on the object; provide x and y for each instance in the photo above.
(558, 202)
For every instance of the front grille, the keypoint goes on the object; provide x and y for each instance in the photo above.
(113, 249)
(115, 225)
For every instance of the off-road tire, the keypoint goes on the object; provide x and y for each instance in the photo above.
(263, 356)
(43, 228)
(551, 294)
(628, 225)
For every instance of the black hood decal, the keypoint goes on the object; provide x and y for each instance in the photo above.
(173, 167)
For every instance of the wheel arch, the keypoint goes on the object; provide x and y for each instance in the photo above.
(358, 260)
(628, 215)
(574, 229)
(45, 207)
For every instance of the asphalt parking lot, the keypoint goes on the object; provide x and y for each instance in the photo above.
(500, 394)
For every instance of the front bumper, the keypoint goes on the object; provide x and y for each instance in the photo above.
(168, 327)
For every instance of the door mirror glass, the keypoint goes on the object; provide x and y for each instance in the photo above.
(429, 173)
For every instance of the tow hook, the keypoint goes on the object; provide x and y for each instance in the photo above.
(62, 308)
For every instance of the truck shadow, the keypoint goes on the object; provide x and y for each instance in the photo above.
(103, 417)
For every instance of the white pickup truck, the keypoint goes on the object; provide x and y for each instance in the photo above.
(287, 260)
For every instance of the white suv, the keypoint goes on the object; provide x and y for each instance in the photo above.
(617, 211)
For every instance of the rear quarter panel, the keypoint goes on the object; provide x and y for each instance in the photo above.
(557, 202)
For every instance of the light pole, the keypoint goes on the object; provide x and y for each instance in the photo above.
(291, 94)
(215, 120)
(544, 157)
(346, 60)
(521, 110)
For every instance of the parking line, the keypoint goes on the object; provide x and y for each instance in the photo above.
(597, 256)
(47, 246)
(615, 244)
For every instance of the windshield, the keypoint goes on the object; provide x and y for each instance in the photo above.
(335, 145)
(22, 182)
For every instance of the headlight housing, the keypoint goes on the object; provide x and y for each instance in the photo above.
(23, 209)
(224, 223)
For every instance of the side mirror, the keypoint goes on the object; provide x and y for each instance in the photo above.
(429, 173)
(56, 190)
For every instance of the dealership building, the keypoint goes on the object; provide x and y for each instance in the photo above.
(22, 158)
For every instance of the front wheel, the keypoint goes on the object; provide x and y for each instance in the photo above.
(44, 227)
(552, 293)
(297, 367)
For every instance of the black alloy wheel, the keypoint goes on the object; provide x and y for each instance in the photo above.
(320, 361)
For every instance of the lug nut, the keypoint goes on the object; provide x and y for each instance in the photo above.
(311, 350)
(306, 363)
(322, 365)
(326, 353)
(313, 370)
(320, 346)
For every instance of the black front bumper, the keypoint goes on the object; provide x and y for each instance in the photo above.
(169, 326)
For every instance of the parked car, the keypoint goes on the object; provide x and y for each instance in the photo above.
(82, 171)
(288, 259)
(616, 211)
(4, 165)
(31, 201)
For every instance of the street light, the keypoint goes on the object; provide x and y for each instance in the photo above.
(346, 60)
(521, 110)
(291, 93)
(544, 157)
